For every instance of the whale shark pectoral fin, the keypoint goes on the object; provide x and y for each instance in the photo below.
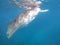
(44, 10)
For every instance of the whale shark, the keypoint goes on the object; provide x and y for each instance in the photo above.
(32, 10)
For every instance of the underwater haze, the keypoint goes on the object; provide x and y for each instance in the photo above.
(44, 30)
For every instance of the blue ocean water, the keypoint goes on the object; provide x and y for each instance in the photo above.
(44, 30)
